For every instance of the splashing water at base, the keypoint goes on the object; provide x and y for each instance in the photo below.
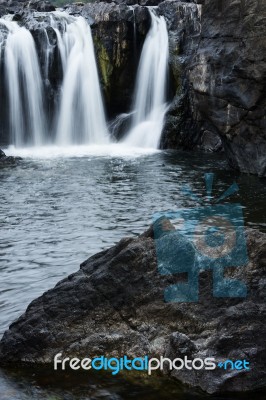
(150, 95)
(79, 151)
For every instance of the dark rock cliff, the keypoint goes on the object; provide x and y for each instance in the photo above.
(228, 76)
(114, 305)
(223, 66)
(184, 28)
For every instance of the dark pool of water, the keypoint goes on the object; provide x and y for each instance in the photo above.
(42, 385)
(55, 213)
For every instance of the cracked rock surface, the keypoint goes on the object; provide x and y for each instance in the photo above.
(114, 306)
(228, 79)
(218, 61)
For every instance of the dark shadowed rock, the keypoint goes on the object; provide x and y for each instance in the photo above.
(183, 22)
(210, 142)
(19, 6)
(118, 33)
(228, 75)
(218, 48)
(7, 161)
(40, 5)
(114, 305)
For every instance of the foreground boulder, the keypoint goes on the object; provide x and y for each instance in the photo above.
(114, 306)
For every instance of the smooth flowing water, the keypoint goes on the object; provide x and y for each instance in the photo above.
(150, 94)
(26, 111)
(81, 117)
(56, 211)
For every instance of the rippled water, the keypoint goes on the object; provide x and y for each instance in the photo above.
(58, 210)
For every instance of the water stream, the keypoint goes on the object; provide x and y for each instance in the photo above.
(150, 93)
(79, 117)
(26, 115)
(57, 211)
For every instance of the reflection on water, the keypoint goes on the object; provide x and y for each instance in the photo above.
(42, 385)
(56, 212)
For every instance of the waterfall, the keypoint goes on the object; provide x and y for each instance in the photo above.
(25, 91)
(150, 106)
(47, 51)
(81, 117)
(78, 116)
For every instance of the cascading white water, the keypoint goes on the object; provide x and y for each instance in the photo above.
(81, 115)
(47, 51)
(24, 82)
(150, 95)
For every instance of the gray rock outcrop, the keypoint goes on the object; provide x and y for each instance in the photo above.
(7, 161)
(114, 305)
(18, 6)
(222, 61)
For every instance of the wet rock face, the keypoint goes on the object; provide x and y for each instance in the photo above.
(118, 32)
(40, 5)
(114, 305)
(18, 6)
(228, 77)
(222, 68)
(6, 161)
(184, 27)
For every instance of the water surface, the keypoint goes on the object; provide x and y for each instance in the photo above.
(57, 210)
